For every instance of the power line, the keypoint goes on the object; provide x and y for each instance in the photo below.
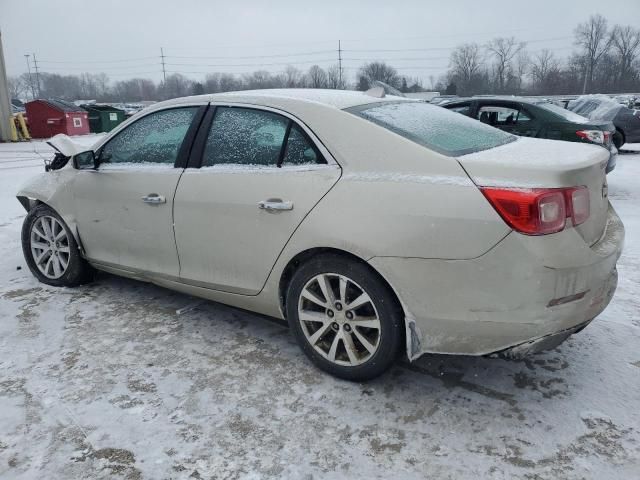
(99, 61)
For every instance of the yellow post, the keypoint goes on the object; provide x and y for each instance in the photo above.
(13, 133)
(23, 126)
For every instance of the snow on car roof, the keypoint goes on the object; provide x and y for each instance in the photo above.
(339, 99)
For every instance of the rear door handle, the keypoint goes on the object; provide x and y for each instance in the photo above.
(154, 199)
(275, 205)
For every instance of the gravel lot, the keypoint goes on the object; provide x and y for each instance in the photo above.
(106, 381)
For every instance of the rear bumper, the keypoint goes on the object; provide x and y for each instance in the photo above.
(613, 156)
(523, 290)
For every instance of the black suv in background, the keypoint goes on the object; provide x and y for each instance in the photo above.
(538, 118)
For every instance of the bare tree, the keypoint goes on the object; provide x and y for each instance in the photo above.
(17, 87)
(334, 78)
(379, 71)
(625, 42)
(543, 63)
(592, 37)
(465, 62)
(503, 50)
(316, 77)
(292, 77)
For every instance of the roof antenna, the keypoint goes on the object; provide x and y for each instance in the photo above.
(377, 92)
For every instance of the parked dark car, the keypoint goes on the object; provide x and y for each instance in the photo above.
(599, 107)
(529, 117)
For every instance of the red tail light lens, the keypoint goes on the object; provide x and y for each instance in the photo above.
(595, 136)
(539, 211)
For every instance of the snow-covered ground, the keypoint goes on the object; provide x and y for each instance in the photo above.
(106, 381)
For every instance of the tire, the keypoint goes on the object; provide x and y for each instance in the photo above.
(57, 262)
(339, 335)
(618, 139)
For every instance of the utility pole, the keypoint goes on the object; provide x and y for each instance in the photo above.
(5, 103)
(339, 65)
(33, 93)
(164, 74)
(35, 63)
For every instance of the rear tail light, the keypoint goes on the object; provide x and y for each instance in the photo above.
(595, 136)
(539, 211)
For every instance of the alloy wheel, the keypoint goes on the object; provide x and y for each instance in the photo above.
(339, 319)
(50, 246)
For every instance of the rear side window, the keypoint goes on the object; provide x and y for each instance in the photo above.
(299, 150)
(502, 116)
(243, 136)
(434, 127)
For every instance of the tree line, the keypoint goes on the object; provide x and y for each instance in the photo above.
(606, 59)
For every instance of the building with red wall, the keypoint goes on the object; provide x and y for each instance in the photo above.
(52, 116)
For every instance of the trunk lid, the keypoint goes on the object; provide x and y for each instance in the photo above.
(537, 163)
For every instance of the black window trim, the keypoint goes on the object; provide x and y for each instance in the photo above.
(187, 141)
(196, 156)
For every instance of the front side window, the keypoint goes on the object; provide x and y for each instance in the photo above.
(434, 127)
(154, 139)
(251, 137)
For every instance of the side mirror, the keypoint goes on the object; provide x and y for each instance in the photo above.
(86, 160)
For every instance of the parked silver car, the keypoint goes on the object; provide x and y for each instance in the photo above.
(373, 225)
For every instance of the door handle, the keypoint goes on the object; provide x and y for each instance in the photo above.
(154, 199)
(275, 205)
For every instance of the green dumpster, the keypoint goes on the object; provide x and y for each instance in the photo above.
(103, 118)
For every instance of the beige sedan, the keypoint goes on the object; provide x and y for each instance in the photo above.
(375, 225)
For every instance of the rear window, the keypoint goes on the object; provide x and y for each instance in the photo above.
(561, 112)
(434, 127)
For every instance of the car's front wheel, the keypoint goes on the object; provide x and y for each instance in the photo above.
(344, 317)
(51, 251)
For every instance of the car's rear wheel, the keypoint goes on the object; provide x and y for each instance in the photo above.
(51, 251)
(344, 317)
(618, 138)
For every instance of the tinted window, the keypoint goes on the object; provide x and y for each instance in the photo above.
(502, 116)
(244, 136)
(300, 150)
(155, 138)
(434, 127)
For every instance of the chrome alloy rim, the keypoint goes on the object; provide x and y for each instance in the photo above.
(339, 319)
(50, 247)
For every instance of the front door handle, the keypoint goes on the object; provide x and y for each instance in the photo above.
(154, 199)
(275, 205)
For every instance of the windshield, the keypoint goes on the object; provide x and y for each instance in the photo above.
(436, 128)
(564, 113)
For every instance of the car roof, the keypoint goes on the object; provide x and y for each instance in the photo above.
(278, 98)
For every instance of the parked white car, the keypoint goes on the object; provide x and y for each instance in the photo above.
(373, 225)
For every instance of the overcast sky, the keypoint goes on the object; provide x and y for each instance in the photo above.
(123, 37)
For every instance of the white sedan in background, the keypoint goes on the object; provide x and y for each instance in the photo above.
(375, 225)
